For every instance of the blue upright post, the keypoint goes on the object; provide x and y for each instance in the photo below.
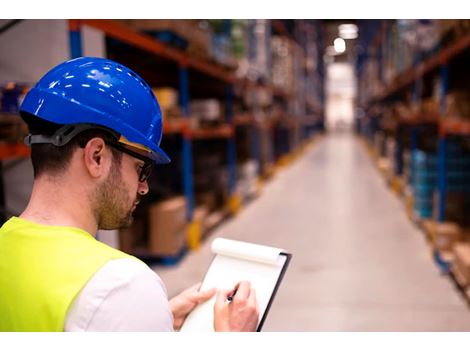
(187, 145)
(75, 39)
(442, 150)
(231, 149)
(444, 75)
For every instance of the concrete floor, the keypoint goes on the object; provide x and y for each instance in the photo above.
(359, 264)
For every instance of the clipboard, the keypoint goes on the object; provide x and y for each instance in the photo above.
(233, 262)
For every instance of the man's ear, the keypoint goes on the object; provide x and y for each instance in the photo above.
(96, 156)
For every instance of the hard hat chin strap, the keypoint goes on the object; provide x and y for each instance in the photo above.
(63, 135)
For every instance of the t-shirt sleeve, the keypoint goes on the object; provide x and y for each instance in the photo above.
(124, 295)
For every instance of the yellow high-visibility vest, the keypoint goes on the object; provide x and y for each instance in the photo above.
(42, 269)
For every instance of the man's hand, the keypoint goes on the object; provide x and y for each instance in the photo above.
(186, 301)
(239, 314)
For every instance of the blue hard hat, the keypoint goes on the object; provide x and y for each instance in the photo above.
(102, 92)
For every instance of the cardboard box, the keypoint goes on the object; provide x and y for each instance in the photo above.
(167, 227)
(462, 259)
(167, 97)
(458, 105)
(133, 236)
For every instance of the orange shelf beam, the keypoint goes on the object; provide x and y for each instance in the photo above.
(223, 132)
(454, 126)
(14, 150)
(175, 126)
(130, 36)
(145, 42)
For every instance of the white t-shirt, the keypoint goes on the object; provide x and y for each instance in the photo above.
(124, 295)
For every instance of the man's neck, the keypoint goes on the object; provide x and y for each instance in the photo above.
(55, 203)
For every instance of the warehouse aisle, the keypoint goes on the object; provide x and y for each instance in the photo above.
(359, 264)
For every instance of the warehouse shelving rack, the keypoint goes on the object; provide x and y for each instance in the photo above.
(9, 151)
(226, 78)
(185, 62)
(439, 63)
(185, 67)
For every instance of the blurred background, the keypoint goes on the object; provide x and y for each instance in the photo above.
(345, 142)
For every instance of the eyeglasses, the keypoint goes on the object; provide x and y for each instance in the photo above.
(145, 170)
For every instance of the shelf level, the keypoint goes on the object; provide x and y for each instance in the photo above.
(146, 42)
(419, 120)
(183, 125)
(454, 126)
(412, 74)
(174, 126)
(223, 132)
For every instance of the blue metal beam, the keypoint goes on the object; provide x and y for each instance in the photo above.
(75, 39)
(231, 148)
(442, 148)
(187, 145)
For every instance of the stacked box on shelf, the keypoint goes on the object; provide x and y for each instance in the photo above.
(457, 197)
(298, 100)
(12, 127)
(210, 176)
(258, 54)
(167, 227)
(423, 171)
(206, 112)
(168, 100)
(312, 63)
(195, 32)
(458, 104)
(247, 184)
(282, 64)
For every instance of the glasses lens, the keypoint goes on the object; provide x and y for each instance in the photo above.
(145, 172)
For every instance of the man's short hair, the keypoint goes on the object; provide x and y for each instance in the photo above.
(48, 158)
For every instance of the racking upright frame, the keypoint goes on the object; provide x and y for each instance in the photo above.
(129, 36)
(438, 61)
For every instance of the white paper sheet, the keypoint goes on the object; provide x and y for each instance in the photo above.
(236, 261)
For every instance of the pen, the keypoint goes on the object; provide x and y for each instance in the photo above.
(230, 298)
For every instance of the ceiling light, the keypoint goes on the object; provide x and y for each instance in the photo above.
(348, 35)
(347, 31)
(340, 45)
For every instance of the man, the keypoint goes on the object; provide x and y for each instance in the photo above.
(95, 130)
